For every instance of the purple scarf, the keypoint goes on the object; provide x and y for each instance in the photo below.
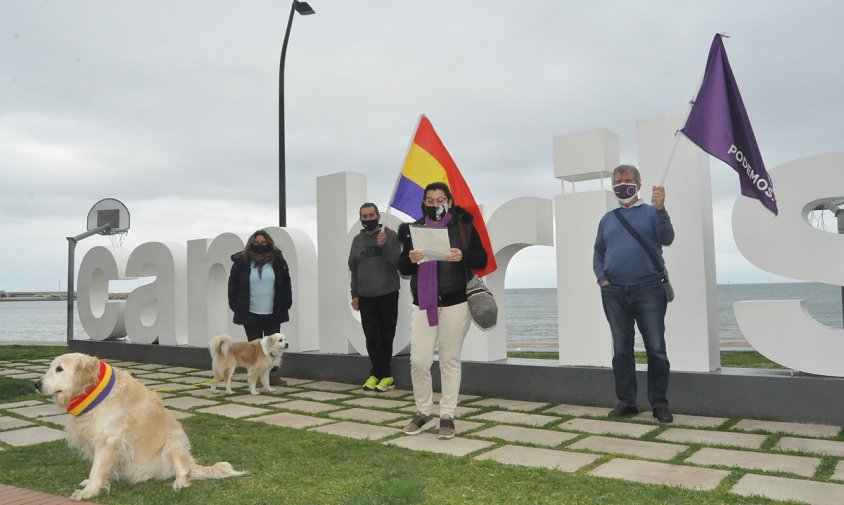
(427, 286)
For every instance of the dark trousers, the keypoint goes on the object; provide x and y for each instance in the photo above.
(259, 325)
(644, 304)
(378, 317)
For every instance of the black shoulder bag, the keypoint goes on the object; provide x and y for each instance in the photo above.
(663, 272)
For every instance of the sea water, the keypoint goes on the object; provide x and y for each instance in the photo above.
(531, 314)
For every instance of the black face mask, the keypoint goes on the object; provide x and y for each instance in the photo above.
(369, 225)
(436, 213)
(261, 249)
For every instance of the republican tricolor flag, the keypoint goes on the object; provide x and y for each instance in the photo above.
(428, 161)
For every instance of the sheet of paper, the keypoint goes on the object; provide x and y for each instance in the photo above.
(431, 241)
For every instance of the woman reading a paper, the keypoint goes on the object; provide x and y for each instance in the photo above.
(440, 317)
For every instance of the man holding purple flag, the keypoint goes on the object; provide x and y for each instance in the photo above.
(719, 125)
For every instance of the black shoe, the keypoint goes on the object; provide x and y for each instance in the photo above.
(623, 411)
(663, 415)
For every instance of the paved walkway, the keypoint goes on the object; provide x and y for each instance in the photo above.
(784, 461)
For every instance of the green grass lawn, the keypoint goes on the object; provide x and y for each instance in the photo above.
(288, 466)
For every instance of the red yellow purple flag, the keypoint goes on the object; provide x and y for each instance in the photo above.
(428, 161)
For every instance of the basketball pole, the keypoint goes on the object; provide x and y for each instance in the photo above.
(71, 266)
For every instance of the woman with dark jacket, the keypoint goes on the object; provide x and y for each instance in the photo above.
(440, 315)
(260, 294)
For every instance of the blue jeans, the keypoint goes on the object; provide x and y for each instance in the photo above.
(644, 304)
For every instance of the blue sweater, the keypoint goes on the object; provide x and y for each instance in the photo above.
(618, 257)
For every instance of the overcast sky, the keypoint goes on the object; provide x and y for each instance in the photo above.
(171, 106)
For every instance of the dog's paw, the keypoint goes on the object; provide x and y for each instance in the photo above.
(269, 388)
(254, 392)
(180, 484)
(84, 494)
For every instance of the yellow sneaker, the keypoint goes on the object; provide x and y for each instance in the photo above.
(385, 384)
(370, 383)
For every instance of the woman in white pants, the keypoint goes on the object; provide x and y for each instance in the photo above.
(440, 317)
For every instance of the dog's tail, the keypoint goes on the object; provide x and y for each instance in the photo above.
(219, 345)
(219, 470)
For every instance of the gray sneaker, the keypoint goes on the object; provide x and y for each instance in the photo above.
(418, 424)
(446, 428)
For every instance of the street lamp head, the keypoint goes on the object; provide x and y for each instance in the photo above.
(303, 8)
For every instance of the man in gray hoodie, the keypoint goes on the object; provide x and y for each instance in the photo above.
(373, 261)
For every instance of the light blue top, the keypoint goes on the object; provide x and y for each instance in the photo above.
(261, 291)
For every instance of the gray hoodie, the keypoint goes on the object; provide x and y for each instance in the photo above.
(374, 268)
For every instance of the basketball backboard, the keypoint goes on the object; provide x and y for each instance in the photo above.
(109, 211)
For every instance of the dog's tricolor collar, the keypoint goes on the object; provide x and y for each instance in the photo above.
(91, 398)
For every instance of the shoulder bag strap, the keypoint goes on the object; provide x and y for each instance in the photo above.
(465, 242)
(657, 265)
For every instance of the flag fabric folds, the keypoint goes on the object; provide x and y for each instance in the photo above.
(428, 161)
(719, 125)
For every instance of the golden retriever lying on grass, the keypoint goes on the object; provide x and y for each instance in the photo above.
(121, 427)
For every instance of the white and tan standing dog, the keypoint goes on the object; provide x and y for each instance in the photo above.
(121, 427)
(258, 356)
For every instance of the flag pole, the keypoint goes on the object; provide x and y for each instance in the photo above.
(686, 117)
(407, 153)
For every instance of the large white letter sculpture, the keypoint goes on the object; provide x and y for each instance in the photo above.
(691, 323)
(158, 309)
(788, 245)
(100, 317)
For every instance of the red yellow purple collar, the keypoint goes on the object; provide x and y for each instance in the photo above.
(91, 398)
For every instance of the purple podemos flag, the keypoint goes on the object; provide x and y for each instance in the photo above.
(719, 125)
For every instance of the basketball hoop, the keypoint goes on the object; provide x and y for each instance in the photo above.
(118, 238)
(115, 215)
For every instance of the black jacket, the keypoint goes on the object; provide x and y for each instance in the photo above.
(239, 288)
(451, 276)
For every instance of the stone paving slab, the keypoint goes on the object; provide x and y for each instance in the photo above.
(649, 472)
(188, 379)
(800, 429)
(390, 393)
(745, 440)
(599, 427)
(10, 423)
(543, 458)
(460, 398)
(798, 465)
(321, 396)
(170, 387)
(307, 406)
(378, 403)
(148, 382)
(45, 409)
(179, 414)
(520, 434)
(25, 375)
(187, 402)
(460, 426)
(459, 412)
(686, 420)
(62, 420)
(233, 410)
(9, 371)
(565, 409)
(506, 404)
(254, 399)
(357, 430)
(138, 366)
(292, 381)
(291, 420)
(332, 386)
(31, 436)
(178, 369)
(372, 416)
(156, 375)
(638, 448)
(207, 393)
(20, 496)
(839, 471)
(782, 488)
(501, 416)
(827, 447)
(429, 442)
(15, 405)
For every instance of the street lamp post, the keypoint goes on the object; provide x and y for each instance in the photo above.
(303, 9)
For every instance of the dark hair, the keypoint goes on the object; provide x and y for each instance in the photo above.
(433, 187)
(368, 204)
(270, 242)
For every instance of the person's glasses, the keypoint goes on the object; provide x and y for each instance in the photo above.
(431, 202)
